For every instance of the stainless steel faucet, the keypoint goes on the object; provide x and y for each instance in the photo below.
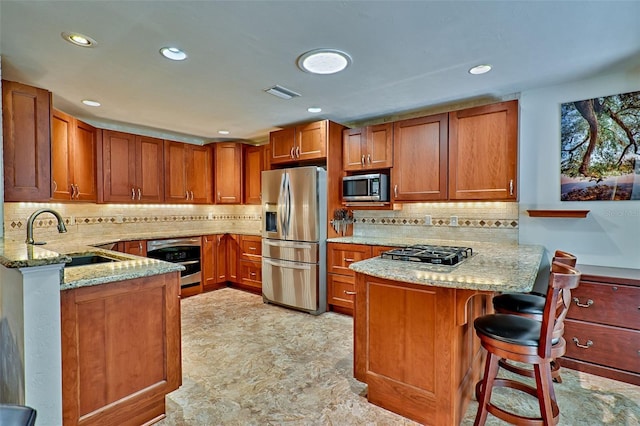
(61, 227)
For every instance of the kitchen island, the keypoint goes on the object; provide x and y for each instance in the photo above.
(113, 327)
(414, 342)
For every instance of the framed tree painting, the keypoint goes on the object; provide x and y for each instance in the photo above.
(600, 148)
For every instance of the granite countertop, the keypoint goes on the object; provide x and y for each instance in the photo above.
(20, 255)
(492, 267)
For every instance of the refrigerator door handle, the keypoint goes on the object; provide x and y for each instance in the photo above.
(288, 202)
(281, 206)
(286, 264)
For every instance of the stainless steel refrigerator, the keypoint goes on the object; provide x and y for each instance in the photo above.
(294, 233)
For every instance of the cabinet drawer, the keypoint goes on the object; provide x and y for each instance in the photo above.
(251, 247)
(251, 273)
(617, 305)
(341, 290)
(603, 344)
(340, 256)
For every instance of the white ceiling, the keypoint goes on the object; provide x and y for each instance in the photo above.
(406, 56)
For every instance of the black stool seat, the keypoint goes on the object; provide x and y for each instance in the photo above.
(520, 303)
(17, 415)
(509, 329)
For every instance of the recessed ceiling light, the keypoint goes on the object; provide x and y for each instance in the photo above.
(173, 53)
(480, 69)
(79, 39)
(89, 102)
(223, 132)
(314, 109)
(324, 61)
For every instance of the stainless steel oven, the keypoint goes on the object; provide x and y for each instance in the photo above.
(185, 251)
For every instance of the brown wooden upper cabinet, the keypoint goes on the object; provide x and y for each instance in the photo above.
(300, 143)
(368, 147)
(483, 152)
(254, 164)
(420, 159)
(73, 158)
(228, 173)
(26, 131)
(188, 174)
(132, 168)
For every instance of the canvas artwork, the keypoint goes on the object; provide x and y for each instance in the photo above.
(600, 148)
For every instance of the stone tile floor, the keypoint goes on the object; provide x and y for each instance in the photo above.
(250, 363)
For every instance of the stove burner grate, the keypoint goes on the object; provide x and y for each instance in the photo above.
(437, 255)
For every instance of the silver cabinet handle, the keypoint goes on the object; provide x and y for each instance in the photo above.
(133, 193)
(191, 195)
(582, 305)
(186, 197)
(577, 342)
(140, 246)
(362, 160)
(369, 158)
(73, 191)
(349, 293)
(291, 153)
(55, 186)
(139, 194)
(511, 187)
(218, 196)
(349, 260)
(395, 190)
(77, 192)
(297, 152)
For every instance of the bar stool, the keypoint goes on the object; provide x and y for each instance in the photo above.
(525, 340)
(17, 415)
(531, 305)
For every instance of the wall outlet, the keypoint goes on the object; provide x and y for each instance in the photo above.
(210, 216)
(119, 218)
(427, 220)
(453, 221)
(72, 220)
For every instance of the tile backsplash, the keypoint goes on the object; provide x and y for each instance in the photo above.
(477, 221)
(102, 222)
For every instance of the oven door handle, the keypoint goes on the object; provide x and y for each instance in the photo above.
(189, 262)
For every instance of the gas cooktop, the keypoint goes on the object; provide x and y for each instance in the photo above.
(436, 255)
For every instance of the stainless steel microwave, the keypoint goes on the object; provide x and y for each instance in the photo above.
(371, 187)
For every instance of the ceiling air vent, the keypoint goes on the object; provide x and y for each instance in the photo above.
(282, 92)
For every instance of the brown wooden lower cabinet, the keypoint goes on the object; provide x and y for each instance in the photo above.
(120, 350)
(135, 247)
(416, 349)
(602, 328)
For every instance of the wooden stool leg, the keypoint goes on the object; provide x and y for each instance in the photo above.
(490, 373)
(555, 371)
(546, 394)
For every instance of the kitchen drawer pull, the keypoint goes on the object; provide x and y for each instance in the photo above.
(349, 293)
(582, 305)
(587, 346)
(349, 260)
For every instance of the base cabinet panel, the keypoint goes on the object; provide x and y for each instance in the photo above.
(120, 350)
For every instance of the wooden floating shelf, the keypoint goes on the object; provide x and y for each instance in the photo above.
(558, 213)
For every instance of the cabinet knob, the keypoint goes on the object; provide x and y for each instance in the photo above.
(582, 305)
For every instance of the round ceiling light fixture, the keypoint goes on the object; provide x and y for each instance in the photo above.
(223, 132)
(91, 103)
(173, 53)
(480, 69)
(78, 39)
(324, 61)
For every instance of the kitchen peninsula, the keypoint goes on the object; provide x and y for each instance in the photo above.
(414, 342)
(114, 328)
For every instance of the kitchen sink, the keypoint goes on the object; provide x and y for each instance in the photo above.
(88, 259)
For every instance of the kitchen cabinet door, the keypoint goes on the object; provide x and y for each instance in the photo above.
(211, 256)
(253, 167)
(282, 144)
(26, 131)
(118, 166)
(368, 148)
(149, 169)
(132, 168)
(228, 173)
(420, 159)
(188, 173)
(483, 152)
(311, 141)
(232, 243)
(135, 247)
(73, 158)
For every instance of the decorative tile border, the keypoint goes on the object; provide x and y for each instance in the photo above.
(122, 219)
(440, 222)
